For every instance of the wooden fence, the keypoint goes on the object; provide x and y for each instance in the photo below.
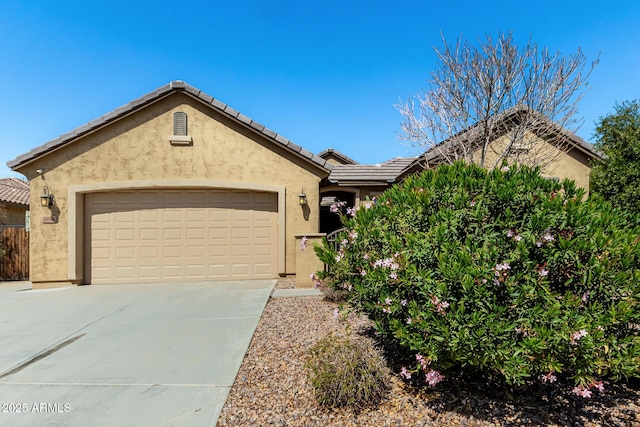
(14, 253)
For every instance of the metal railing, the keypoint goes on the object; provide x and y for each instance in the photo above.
(332, 240)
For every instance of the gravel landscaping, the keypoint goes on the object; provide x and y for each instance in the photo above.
(272, 389)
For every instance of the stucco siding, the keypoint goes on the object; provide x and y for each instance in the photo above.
(571, 164)
(137, 148)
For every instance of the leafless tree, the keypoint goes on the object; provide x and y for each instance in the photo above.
(496, 101)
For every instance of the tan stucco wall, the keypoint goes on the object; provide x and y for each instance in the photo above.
(572, 164)
(137, 149)
(332, 160)
(11, 215)
(307, 262)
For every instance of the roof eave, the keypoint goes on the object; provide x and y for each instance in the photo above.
(156, 96)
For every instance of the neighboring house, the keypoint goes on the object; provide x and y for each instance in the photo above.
(178, 186)
(566, 154)
(14, 202)
(336, 158)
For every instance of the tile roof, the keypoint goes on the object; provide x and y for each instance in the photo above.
(14, 191)
(160, 93)
(504, 121)
(331, 152)
(382, 173)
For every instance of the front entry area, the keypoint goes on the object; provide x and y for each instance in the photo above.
(139, 236)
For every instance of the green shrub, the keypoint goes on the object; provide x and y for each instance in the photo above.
(503, 275)
(344, 372)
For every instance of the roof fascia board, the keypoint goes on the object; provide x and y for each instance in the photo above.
(157, 96)
(74, 135)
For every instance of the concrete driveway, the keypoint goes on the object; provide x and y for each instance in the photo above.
(124, 355)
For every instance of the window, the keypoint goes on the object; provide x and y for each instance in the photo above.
(180, 132)
(180, 124)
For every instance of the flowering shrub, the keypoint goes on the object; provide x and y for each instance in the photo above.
(503, 275)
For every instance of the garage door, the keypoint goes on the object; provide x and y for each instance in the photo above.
(171, 235)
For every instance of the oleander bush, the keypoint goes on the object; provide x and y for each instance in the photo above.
(502, 275)
(346, 372)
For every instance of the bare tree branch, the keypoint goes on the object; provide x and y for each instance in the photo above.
(526, 98)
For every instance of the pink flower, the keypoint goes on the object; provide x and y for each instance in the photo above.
(303, 243)
(393, 275)
(365, 256)
(577, 336)
(440, 305)
(363, 273)
(353, 235)
(505, 169)
(336, 312)
(517, 238)
(403, 302)
(473, 203)
(338, 258)
(405, 374)
(548, 237)
(599, 386)
(388, 301)
(368, 205)
(351, 211)
(421, 360)
(337, 207)
(543, 272)
(503, 266)
(434, 377)
(582, 392)
(548, 378)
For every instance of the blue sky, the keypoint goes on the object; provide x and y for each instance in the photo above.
(323, 74)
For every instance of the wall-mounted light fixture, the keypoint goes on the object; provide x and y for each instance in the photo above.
(302, 198)
(46, 200)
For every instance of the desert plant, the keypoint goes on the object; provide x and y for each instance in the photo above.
(499, 274)
(346, 372)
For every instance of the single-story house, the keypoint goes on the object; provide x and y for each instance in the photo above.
(14, 202)
(560, 152)
(178, 186)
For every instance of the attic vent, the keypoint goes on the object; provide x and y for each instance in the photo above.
(180, 123)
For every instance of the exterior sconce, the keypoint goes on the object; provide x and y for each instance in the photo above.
(46, 200)
(302, 198)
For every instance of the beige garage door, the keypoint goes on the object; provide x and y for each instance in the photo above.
(171, 235)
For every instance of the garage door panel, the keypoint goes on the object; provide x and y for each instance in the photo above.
(172, 271)
(172, 215)
(172, 233)
(125, 273)
(262, 269)
(125, 252)
(162, 235)
(148, 252)
(195, 233)
(195, 271)
(125, 234)
(218, 215)
(240, 233)
(240, 270)
(148, 215)
(148, 234)
(149, 272)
